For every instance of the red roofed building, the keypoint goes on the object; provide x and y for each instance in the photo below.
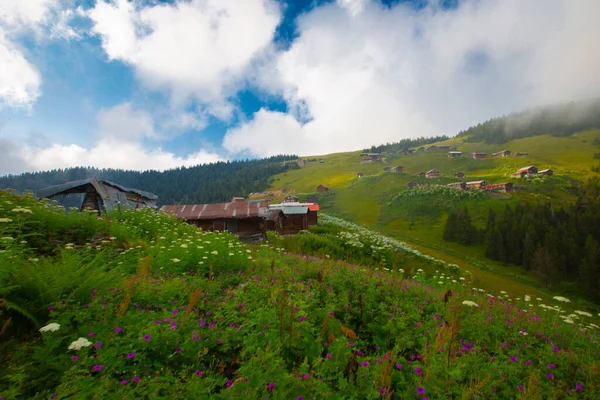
(240, 217)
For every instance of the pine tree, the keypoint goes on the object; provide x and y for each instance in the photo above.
(450, 228)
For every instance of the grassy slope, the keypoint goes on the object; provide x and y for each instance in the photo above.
(364, 200)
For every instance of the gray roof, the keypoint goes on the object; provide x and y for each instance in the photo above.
(52, 190)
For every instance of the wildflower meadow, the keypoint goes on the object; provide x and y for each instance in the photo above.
(140, 305)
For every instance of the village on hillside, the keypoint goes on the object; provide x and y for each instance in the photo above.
(250, 218)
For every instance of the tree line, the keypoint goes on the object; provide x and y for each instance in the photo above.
(208, 183)
(557, 242)
(405, 144)
(558, 120)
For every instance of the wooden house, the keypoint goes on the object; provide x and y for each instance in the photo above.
(477, 155)
(397, 168)
(459, 175)
(458, 185)
(291, 218)
(421, 149)
(432, 173)
(500, 187)
(238, 217)
(453, 154)
(370, 157)
(503, 153)
(421, 174)
(301, 163)
(525, 171)
(438, 147)
(546, 172)
(386, 169)
(476, 185)
(322, 189)
(521, 154)
(411, 185)
(290, 199)
(234, 199)
(96, 194)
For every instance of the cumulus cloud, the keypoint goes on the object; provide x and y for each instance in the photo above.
(19, 80)
(362, 73)
(120, 134)
(195, 49)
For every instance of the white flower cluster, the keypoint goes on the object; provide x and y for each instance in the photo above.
(53, 327)
(470, 303)
(80, 343)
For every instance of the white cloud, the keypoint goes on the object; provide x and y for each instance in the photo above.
(378, 74)
(19, 80)
(17, 13)
(124, 123)
(197, 48)
(121, 131)
(112, 154)
(354, 7)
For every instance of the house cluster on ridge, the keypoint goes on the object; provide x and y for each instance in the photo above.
(529, 171)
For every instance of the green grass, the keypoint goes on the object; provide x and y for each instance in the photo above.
(164, 310)
(366, 200)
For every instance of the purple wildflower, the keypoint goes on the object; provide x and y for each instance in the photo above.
(271, 386)
(365, 364)
(98, 345)
(98, 367)
(146, 337)
(199, 373)
(74, 358)
(124, 382)
(50, 308)
(520, 387)
(131, 355)
(91, 334)
(117, 329)
(398, 366)
(136, 379)
(514, 358)
(419, 372)
(421, 390)
(551, 366)
(302, 318)
(229, 383)
(175, 311)
(328, 355)
(578, 386)
(550, 376)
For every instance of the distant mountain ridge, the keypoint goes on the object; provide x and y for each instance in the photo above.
(558, 120)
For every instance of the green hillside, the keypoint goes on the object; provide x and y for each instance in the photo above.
(382, 201)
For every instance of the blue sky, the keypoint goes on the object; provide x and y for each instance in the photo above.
(151, 84)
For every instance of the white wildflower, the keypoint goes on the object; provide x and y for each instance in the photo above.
(584, 313)
(53, 327)
(470, 303)
(214, 252)
(79, 343)
(563, 299)
(184, 246)
(175, 260)
(5, 220)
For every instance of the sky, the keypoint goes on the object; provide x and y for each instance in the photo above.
(157, 84)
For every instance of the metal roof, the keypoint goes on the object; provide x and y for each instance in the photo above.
(311, 206)
(236, 210)
(524, 169)
(432, 170)
(52, 190)
(291, 210)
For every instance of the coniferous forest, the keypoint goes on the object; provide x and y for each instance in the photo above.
(208, 183)
(558, 120)
(557, 243)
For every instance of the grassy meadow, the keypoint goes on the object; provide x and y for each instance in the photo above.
(380, 200)
(139, 305)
